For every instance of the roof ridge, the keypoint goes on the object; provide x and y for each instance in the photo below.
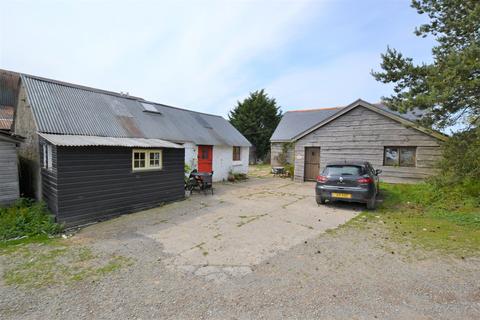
(183, 109)
(318, 109)
(81, 87)
(112, 93)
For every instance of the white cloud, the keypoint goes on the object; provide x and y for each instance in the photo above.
(187, 53)
(340, 81)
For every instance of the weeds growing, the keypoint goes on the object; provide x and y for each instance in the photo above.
(26, 218)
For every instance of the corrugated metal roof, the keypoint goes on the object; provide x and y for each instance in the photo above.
(7, 136)
(8, 87)
(84, 141)
(9, 84)
(62, 108)
(295, 122)
(6, 117)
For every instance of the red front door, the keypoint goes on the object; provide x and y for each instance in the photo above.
(205, 156)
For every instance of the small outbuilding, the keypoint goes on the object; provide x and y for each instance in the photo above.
(9, 185)
(92, 154)
(396, 143)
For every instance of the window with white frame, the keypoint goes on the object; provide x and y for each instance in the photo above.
(47, 156)
(145, 159)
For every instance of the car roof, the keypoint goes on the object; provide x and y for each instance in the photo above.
(347, 162)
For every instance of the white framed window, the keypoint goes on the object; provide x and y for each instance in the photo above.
(146, 159)
(47, 156)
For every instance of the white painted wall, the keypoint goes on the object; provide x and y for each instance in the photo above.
(222, 160)
(242, 165)
(191, 155)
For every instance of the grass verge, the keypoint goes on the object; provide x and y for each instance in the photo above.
(45, 262)
(26, 218)
(440, 219)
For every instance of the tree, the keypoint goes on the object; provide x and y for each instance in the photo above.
(256, 118)
(447, 90)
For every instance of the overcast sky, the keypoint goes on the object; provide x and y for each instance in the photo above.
(206, 55)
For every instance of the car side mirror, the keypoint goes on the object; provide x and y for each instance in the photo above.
(378, 171)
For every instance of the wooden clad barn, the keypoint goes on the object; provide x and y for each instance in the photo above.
(86, 179)
(392, 142)
(92, 154)
(9, 186)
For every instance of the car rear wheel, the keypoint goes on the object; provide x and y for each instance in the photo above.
(371, 203)
(320, 200)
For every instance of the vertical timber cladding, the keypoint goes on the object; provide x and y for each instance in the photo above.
(96, 183)
(362, 134)
(312, 163)
(8, 173)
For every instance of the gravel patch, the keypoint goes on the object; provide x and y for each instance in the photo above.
(350, 273)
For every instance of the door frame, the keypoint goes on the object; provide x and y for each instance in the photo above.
(305, 162)
(199, 147)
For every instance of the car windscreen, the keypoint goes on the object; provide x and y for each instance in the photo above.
(343, 170)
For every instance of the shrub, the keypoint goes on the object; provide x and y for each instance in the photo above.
(26, 218)
(240, 176)
(290, 168)
(461, 158)
(283, 156)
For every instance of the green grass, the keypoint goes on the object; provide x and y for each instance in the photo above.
(441, 219)
(26, 218)
(259, 170)
(54, 261)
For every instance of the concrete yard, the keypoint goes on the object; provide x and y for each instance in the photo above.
(238, 227)
(254, 250)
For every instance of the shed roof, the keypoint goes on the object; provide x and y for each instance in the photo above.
(68, 109)
(295, 122)
(9, 137)
(84, 141)
(375, 108)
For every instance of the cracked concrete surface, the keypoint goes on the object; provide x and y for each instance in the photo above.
(242, 225)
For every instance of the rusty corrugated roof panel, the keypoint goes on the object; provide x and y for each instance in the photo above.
(9, 85)
(6, 117)
(62, 108)
(84, 141)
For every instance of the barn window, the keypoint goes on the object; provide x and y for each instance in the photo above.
(47, 156)
(236, 153)
(147, 159)
(400, 156)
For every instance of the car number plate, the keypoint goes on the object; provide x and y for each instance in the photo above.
(341, 195)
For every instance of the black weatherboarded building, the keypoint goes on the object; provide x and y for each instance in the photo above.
(92, 154)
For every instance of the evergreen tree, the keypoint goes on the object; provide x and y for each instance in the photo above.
(448, 89)
(256, 118)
